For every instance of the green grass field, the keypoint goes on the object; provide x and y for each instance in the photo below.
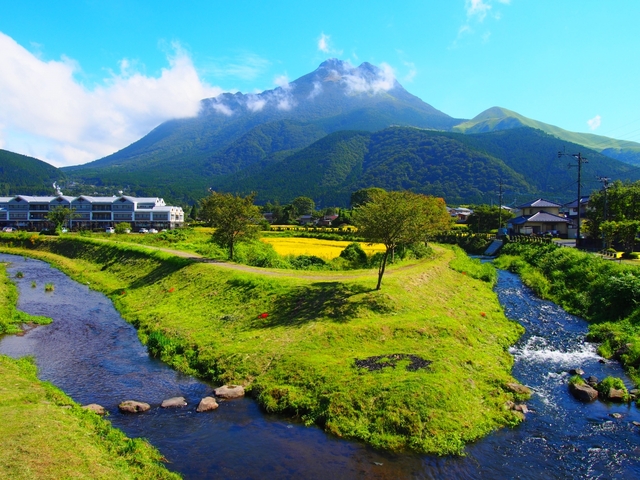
(295, 340)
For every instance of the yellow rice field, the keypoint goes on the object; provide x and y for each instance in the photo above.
(327, 249)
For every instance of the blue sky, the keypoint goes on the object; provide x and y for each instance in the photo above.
(82, 79)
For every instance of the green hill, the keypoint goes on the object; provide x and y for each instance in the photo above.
(461, 168)
(20, 174)
(498, 118)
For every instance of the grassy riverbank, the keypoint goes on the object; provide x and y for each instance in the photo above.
(45, 435)
(296, 341)
(603, 292)
(11, 319)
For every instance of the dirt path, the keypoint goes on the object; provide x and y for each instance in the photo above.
(275, 273)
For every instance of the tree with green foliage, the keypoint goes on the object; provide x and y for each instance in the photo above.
(193, 214)
(234, 218)
(612, 213)
(61, 216)
(396, 218)
(487, 217)
(303, 206)
(123, 227)
(365, 195)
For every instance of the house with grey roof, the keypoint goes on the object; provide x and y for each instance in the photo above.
(537, 217)
(30, 212)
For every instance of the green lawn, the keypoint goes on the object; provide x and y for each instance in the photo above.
(300, 358)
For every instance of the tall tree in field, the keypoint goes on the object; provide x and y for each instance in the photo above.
(235, 218)
(394, 218)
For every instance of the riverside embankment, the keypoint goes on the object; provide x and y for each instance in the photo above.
(94, 355)
(294, 342)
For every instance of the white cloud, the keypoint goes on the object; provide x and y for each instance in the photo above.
(594, 123)
(255, 103)
(476, 12)
(317, 90)
(323, 43)
(282, 95)
(477, 9)
(48, 114)
(383, 80)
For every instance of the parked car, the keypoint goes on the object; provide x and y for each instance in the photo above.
(143, 230)
(110, 230)
(153, 230)
(8, 229)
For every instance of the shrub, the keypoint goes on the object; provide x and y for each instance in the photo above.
(576, 380)
(48, 287)
(605, 386)
(19, 275)
(123, 227)
(354, 254)
(258, 254)
(307, 262)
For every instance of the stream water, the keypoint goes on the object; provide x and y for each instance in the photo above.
(92, 354)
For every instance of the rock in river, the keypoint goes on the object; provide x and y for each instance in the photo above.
(95, 408)
(131, 406)
(207, 404)
(583, 392)
(518, 389)
(229, 391)
(174, 402)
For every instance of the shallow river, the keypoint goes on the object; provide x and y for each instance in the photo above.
(95, 357)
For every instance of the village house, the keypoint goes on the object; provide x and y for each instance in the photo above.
(539, 217)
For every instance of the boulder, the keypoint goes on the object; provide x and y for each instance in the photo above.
(132, 406)
(518, 389)
(576, 371)
(616, 415)
(95, 408)
(584, 393)
(616, 395)
(592, 381)
(521, 408)
(207, 404)
(174, 402)
(229, 391)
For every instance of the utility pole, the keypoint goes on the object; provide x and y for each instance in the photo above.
(500, 208)
(605, 187)
(580, 159)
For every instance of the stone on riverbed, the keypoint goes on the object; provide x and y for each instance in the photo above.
(518, 389)
(616, 395)
(95, 408)
(174, 402)
(207, 404)
(576, 371)
(132, 406)
(229, 391)
(583, 392)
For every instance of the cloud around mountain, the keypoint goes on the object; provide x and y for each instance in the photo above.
(48, 112)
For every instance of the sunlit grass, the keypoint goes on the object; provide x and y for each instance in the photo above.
(299, 359)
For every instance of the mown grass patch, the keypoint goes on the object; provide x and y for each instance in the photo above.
(45, 435)
(294, 342)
